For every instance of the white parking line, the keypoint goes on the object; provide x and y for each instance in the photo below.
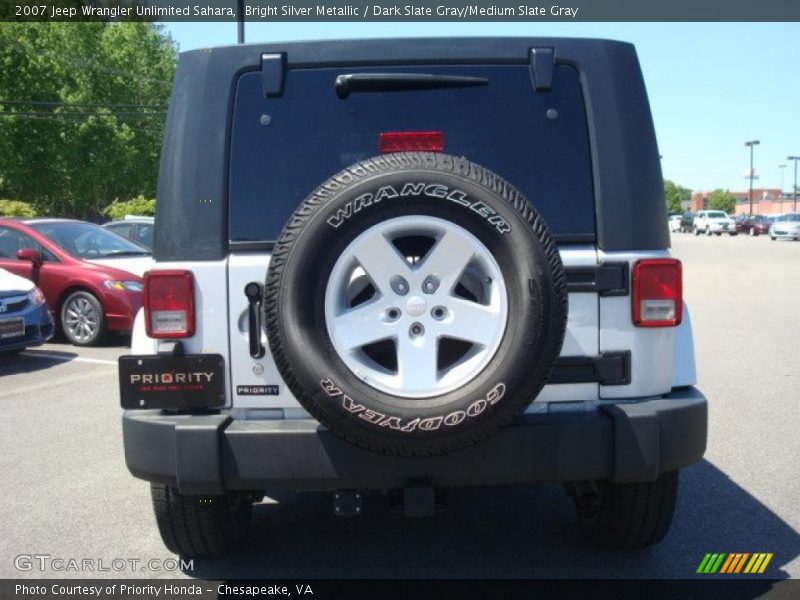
(67, 357)
(60, 382)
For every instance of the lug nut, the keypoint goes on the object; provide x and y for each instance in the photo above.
(399, 285)
(431, 284)
(416, 330)
(393, 314)
(438, 312)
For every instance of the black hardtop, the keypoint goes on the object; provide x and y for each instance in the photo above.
(193, 182)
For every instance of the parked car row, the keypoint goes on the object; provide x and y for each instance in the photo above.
(89, 277)
(717, 222)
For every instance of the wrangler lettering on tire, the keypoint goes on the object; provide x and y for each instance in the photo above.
(415, 303)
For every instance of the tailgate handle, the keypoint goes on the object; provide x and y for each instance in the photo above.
(254, 292)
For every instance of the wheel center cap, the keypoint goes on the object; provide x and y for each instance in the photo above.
(415, 306)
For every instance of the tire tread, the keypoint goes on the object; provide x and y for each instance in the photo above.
(197, 526)
(633, 516)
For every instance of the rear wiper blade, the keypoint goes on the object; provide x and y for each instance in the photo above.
(391, 82)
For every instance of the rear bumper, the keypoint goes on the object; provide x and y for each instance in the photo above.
(572, 441)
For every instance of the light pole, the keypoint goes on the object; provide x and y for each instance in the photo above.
(794, 188)
(751, 143)
(240, 22)
(782, 167)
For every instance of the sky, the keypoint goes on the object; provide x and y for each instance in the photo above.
(712, 86)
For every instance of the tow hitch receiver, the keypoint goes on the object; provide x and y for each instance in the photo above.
(419, 501)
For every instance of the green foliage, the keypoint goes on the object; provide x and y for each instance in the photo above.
(82, 110)
(722, 200)
(140, 206)
(674, 195)
(16, 208)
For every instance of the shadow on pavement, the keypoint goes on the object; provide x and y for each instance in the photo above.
(30, 362)
(515, 532)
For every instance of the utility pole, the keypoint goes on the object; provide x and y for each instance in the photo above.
(794, 188)
(240, 21)
(751, 144)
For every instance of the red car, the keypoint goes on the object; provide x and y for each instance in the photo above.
(91, 277)
(755, 225)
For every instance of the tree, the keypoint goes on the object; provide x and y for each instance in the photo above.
(674, 195)
(82, 109)
(15, 208)
(722, 200)
(140, 206)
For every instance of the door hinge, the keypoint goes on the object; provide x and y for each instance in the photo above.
(608, 368)
(606, 279)
(273, 67)
(542, 64)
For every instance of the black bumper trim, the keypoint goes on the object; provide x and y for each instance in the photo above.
(563, 441)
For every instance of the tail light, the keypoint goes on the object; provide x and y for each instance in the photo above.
(657, 298)
(169, 304)
(411, 141)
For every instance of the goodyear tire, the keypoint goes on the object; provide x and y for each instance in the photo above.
(415, 303)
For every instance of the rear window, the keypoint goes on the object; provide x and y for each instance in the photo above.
(717, 215)
(283, 147)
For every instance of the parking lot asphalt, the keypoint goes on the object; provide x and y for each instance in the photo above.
(68, 493)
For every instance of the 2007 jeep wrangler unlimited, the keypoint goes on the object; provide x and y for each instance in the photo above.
(409, 265)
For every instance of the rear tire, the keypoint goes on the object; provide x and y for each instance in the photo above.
(628, 516)
(200, 526)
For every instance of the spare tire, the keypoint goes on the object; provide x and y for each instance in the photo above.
(415, 303)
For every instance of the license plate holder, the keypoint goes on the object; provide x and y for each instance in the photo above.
(194, 381)
(12, 328)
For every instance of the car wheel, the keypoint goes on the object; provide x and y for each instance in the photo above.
(772, 238)
(200, 526)
(696, 231)
(83, 319)
(626, 516)
(428, 326)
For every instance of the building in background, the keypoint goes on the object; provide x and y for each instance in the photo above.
(766, 201)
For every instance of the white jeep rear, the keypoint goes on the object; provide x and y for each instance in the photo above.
(411, 265)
